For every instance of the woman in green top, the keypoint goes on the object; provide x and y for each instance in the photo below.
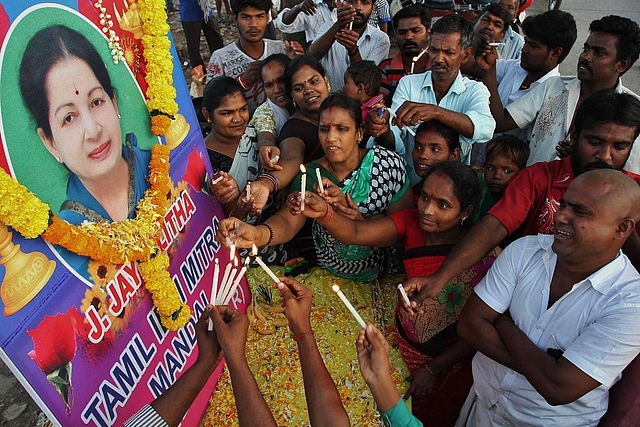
(374, 181)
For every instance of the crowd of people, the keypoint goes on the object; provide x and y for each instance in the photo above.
(507, 193)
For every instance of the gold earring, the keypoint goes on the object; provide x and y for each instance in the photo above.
(329, 87)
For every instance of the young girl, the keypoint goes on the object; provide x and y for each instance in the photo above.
(439, 362)
(231, 145)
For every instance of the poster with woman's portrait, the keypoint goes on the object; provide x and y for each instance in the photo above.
(75, 131)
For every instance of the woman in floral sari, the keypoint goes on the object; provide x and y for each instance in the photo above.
(440, 363)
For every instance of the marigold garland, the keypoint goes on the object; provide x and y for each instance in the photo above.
(135, 239)
(160, 91)
(112, 243)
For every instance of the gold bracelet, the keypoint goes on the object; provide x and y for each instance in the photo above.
(242, 83)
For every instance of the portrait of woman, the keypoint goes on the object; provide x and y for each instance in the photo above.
(65, 129)
(68, 91)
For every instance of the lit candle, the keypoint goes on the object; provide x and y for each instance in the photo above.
(232, 248)
(303, 186)
(319, 176)
(404, 295)
(228, 285)
(267, 270)
(248, 191)
(217, 180)
(393, 114)
(351, 308)
(214, 289)
(496, 44)
(254, 250)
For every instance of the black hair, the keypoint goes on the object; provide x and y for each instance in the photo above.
(554, 28)
(217, 89)
(238, 5)
(45, 49)
(451, 136)
(366, 73)
(340, 100)
(451, 24)
(496, 9)
(296, 64)
(466, 184)
(628, 33)
(607, 106)
(416, 10)
(279, 58)
(509, 146)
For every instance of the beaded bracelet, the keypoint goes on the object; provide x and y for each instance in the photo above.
(264, 224)
(297, 338)
(327, 215)
(272, 179)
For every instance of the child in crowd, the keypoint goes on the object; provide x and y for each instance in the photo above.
(362, 82)
(434, 143)
(506, 155)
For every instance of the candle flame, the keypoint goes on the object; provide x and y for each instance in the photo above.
(254, 250)
(335, 288)
(302, 168)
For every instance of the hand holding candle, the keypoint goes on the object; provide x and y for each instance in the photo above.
(350, 307)
(303, 187)
(404, 295)
(393, 114)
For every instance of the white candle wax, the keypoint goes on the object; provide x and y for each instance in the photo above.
(319, 176)
(405, 297)
(225, 277)
(350, 307)
(274, 160)
(303, 186)
(217, 180)
(227, 286)
(236, 283)
(248, 191)
(267, 270)
(214, 289)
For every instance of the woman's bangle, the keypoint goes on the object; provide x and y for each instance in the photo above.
(272, 179)
(426, 366)
(297, 338)
(242, 83)
(264, 224)
(327, 215)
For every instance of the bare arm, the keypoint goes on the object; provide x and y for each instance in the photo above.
(378, 231)
(411, 113)
(175, 402)
(485, 235)
(558, 381)
(487, 64)
(231, 328)
(323, 400)
(476, 327)
(322, 44)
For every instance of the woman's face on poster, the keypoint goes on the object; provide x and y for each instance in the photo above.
(85, 127)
